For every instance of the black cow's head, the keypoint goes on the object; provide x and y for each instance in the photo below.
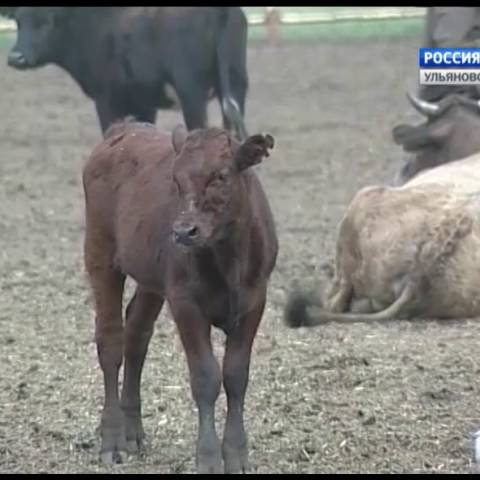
(39, 36)
(451, 132)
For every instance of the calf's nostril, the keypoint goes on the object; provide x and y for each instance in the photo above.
(192, 232)
(185, 233)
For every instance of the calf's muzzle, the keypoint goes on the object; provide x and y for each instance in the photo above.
(185, 233)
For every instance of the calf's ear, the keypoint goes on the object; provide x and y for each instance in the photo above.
(179, 136)
(252, 150)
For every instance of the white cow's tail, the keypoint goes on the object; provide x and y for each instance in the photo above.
(302, 311)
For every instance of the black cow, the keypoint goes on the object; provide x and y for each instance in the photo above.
(124, 58)
(449, 133)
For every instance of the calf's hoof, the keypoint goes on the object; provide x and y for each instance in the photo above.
(135, 447)
(114, 446)
(214, 468)
(209, 455)
(210, 463)
(135, 435)
(235, 459)
(476, 450)
(113, 457)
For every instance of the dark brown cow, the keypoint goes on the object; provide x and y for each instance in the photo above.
(450, 133)
(188, 220)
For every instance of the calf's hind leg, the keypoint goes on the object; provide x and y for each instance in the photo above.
(141, 313)
(107, 286)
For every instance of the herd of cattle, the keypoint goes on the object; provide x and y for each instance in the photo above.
(185, 215)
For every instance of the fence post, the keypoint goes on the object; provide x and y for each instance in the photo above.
(272, 23)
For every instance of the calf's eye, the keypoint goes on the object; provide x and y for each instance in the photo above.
(221, 176)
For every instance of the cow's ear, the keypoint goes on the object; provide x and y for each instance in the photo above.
(179, 136)
(252, 151)
(439, 133)
(421, 136)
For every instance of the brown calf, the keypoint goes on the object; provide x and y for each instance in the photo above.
(188, 220)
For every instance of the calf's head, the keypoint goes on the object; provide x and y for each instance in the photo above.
(451, 132)
(39, 36)
(209, 176)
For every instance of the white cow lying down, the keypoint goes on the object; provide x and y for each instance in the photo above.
(403, 252)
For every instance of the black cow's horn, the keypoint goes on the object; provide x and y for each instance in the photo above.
(422, 106)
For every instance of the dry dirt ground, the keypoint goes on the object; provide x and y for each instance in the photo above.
(398, 397)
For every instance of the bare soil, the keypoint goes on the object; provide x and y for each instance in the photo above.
(400, 397)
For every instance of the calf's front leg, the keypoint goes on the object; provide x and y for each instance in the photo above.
(141, 314)
(236, 366)
(108, 289)
(205, 382)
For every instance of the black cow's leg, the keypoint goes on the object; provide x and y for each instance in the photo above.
(193, 99)
(141, 314)
(111, 111)
(238, 89)
(236, 364)
(233, 121)
(106, 114)
(233, 118)
(226, 119)
(205, 381)
(144, 114)
(233, 107)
